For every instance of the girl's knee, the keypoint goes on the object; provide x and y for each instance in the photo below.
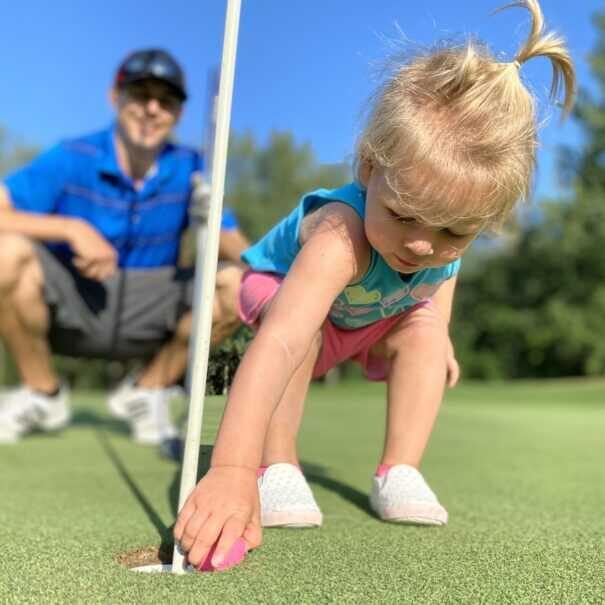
(423, 328)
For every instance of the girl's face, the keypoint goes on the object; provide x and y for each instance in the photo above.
(405, 243)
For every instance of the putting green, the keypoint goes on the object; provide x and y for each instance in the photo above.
(519, 467)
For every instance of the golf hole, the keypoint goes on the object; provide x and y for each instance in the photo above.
(148, 559)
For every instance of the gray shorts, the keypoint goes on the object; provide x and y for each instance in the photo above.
(129, 315)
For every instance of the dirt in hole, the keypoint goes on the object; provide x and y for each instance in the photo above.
(146, 555)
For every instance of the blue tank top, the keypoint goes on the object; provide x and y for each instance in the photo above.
(381, 292)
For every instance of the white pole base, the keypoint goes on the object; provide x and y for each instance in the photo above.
(158, 568)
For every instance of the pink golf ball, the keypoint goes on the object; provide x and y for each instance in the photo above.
(234, 557)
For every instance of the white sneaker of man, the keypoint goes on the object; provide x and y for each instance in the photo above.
(286, 500)
(23, 410)
(401, 495)
(147, 411)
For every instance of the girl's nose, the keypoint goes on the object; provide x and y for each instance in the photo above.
(420, 247)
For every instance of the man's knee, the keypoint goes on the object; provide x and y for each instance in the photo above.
(225, 312)
(19, 263)
(228, 281)
(225, 308)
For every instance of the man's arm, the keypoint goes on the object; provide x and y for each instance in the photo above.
(95, 257)
(41, 227)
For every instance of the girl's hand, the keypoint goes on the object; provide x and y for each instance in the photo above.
(224, 506)
(453, 369)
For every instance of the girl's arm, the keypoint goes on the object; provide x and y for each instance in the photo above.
(225, 502)
(442, 301)
(444, 298)
(326, 264)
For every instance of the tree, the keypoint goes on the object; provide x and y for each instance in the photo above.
(587, 167)
(265, 183)
(13, 152)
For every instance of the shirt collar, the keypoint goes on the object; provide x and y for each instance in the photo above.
(108, 162)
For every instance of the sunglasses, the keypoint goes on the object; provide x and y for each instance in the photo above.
(141, 92)
(152, 66)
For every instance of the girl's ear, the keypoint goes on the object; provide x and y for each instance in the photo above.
(365, 171)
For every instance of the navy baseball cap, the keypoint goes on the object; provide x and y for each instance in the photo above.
(155, 64)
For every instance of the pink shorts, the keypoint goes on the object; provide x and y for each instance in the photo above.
(338, 345)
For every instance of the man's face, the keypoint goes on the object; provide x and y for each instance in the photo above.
(147, 111)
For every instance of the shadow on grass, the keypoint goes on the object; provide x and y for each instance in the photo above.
(317, 474)
(88, 418)
(164, 532)
(314, 473)
(175, 484)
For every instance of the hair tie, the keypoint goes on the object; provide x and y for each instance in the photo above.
(516, 64)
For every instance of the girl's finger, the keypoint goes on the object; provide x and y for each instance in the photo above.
(206, 537)
(224, 555)
(253, 534)
(453, 373)
(192, 529)
(179, 527)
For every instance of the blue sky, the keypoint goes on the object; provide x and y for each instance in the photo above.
(305, 66)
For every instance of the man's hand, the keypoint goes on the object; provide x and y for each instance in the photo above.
(224, 506)
(453, 369)
(94, 256)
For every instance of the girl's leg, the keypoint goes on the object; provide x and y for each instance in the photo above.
(417, 350)
(286, 499)
(281, 439)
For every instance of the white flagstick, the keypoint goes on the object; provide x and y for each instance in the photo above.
(203, 313)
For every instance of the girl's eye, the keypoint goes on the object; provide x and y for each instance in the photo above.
(458, 235)
(407, 220)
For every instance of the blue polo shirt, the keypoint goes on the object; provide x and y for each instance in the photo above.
(81, 178)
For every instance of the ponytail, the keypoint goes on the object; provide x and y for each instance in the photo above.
(551, 46)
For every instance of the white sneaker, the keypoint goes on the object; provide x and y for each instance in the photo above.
(286, 499)
(23, 410)
(403, 496)
(147, 411)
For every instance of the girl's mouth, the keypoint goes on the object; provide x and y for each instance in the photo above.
(405, 263)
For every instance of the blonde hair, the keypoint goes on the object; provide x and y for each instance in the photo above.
(458, 126)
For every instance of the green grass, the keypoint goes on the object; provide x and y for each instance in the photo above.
(520, 468)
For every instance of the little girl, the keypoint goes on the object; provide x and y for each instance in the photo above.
(367, 272)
